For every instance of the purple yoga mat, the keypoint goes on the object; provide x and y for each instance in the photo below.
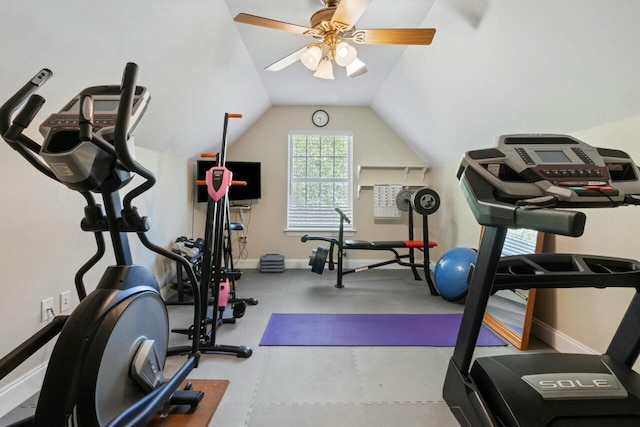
(437, 330)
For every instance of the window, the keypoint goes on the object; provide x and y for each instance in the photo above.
(319, 180)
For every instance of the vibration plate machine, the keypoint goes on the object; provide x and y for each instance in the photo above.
(522, 183)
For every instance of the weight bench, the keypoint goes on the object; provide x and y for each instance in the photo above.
(393, 247)
(321, 254)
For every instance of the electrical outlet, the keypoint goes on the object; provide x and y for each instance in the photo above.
(46, 309)
(65, 301)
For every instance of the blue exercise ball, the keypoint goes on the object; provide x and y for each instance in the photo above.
(452, 270)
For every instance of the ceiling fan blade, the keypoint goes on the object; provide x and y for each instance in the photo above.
(349, 11)
(245, 18)
(420, 36)
(286, 61)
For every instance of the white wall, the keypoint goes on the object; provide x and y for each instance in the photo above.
(590, 316)
(42, 246)
(454, 225)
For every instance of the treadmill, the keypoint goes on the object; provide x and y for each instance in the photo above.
(535, 182)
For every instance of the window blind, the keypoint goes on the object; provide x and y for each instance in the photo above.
(320, 179)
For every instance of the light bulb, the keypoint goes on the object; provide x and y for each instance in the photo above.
(311, 57)
(356, 68)
(325, 69)
(345, 54)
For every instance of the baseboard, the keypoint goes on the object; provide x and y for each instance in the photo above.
(557, 340)
(21, 389)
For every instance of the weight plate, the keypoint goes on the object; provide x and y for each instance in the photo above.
(238, 309)
(318, 259)
(403, 200)
(425, 201)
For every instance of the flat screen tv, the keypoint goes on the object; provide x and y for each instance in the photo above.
(242, 171)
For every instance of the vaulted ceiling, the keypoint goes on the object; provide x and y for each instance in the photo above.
(495, 66)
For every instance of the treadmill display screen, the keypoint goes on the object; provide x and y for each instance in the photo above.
(553, 156)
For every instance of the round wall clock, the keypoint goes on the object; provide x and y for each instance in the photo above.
(320, 118)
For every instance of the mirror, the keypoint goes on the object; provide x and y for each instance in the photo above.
(510, 312)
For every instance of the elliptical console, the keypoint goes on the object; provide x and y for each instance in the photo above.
(88, 162)
(519, 184)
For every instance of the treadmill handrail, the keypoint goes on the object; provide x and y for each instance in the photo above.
(491, 212)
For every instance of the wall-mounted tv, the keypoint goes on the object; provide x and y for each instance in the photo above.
(242, 171)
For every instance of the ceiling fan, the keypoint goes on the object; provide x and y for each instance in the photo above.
(332, 26)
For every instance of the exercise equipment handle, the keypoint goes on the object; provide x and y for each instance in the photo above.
(494, 213)
(13, 133)
(9, 107)
(86, 118)
(24, 117)
(307, 238)
(127, 91)
(343, 217)
(567, 223)
(121, 138)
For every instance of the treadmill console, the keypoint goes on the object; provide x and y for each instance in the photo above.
(537, 168)
(520, 184)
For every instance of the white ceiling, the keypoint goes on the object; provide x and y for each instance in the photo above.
(495, 66)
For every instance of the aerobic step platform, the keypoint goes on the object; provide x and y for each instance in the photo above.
(271, 263)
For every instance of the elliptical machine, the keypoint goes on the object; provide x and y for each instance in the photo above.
(107, 365)
(521, 183)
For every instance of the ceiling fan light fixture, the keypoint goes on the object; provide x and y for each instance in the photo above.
(325, 69)
(311, 57)
(334, 29)
(356, 68)
(345, 54)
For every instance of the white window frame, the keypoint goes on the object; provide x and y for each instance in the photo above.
(331, 218)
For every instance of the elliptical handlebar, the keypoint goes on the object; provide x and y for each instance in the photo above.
(121, 137)
(25, 117)
(12, 132)
(120, 133)
(9, 107)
